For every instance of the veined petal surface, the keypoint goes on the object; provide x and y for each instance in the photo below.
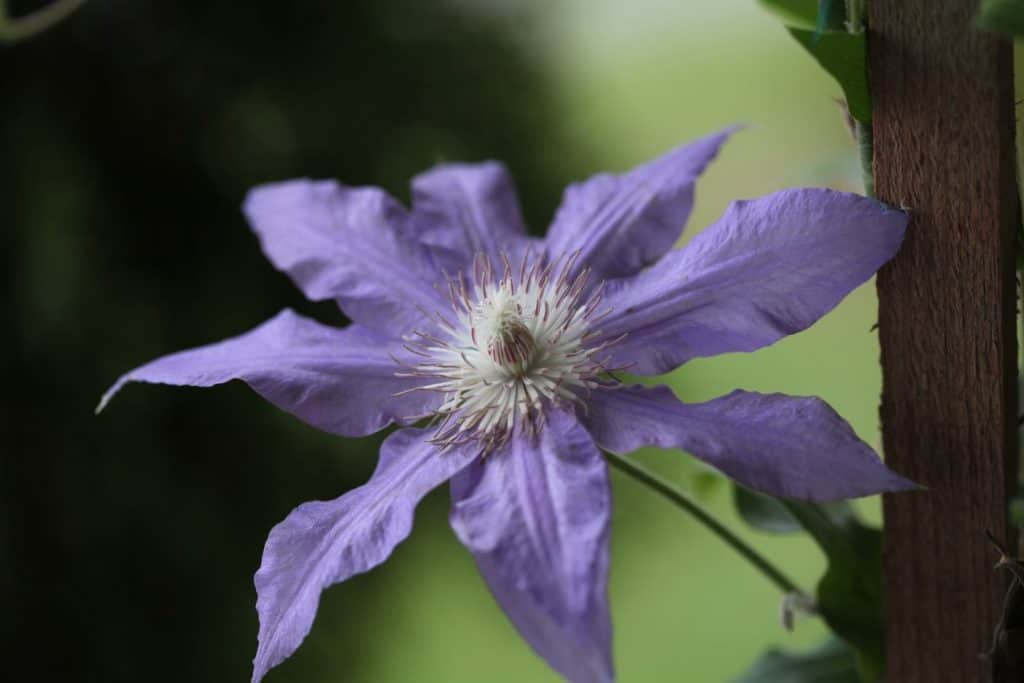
(622, 223)
(341, 380)
(351, 244)
(469, 209)
(768, 268)
(786, 446)
(322, 543)
(536, 516)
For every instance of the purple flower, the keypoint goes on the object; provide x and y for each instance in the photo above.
(508, 344)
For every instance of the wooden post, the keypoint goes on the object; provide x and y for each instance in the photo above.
(943, 147)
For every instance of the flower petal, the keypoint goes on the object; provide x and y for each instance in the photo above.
(340, 380)
(786, 446)
(622, 223)
(768, 268)
(536, 517)
(468, 209)
(350, 244)
(325, 542)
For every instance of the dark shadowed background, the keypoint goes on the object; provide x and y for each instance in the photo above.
(129, 137)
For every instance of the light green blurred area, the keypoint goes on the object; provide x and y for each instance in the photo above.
(635, 79)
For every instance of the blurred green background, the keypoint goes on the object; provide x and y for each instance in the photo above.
(130, 135)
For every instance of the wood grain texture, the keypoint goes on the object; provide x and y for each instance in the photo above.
(943, 132)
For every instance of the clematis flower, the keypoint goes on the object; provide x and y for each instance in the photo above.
(506, 348)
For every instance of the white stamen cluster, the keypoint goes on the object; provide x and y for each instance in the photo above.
(518, 343)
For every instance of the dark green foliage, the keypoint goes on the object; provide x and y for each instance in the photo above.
(819, 15)
(1017, 511)
(844, 57)
(820, 27)
(797, 13)
(831, 16)
(849, 595)
(771, 515)
(1003, 16)
(763, 513)
(831, 662)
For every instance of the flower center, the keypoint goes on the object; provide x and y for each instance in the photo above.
(513, 345)
(510, 343)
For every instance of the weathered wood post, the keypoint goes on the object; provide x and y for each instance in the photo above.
(944, 134)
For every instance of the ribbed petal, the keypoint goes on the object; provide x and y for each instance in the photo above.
(468, 209)
(622, 223)
(340, 380)
(349, 244)
(768, 268)
(791, 447)
(536, 516)
(323, 543)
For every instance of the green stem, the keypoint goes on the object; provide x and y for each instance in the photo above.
(683, 501)
(865, 146)
(862, 131)
(14, 29)
(854, 16)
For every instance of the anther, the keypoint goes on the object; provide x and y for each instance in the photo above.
(511, 344)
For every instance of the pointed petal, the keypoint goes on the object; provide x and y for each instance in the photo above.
(340, 380)
(786, 446)
(349, 244)
(536, 517)
(325, 542)
(768, 268)
(467, 209)
(622, 223)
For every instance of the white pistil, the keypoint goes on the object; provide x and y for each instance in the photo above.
(517, 345)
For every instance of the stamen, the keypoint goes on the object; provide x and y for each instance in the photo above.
(519, 343)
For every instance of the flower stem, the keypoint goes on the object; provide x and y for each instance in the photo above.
(682, 500)
(14, 29)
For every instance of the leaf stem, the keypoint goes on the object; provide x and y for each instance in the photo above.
(865, 149)
(854, 16)
(14, 29)
(862, 131)
(683, 501)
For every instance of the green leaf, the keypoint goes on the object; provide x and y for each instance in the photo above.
(796, 13)
(1017, 511)
(764, 513)
(1017, 500)
(831, 16)
(805, 13)
(1003, 16)
(844, 56)
(830, 662)
(849, 595)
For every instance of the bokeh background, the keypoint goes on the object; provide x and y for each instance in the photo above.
(129, 136)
